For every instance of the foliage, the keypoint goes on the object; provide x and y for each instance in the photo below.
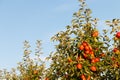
(30, 68)
(82, 53)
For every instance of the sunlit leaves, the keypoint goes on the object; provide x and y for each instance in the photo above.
(29, 68)
(70, 50)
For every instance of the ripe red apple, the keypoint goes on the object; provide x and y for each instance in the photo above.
(86, 48)
(83, 77)
(93, 61)
(115, 50)
(84, 43)
(79, 66)
(91, 52)
(118, 34)
(85, 55)
(93, 68)
(46, 78)
(95, 34)
(87, 52)
(97, 59)
(81, 47)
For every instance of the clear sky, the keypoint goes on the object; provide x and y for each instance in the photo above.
(39, 20)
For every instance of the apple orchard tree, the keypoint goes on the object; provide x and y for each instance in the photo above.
(29, 68)
(82, 53)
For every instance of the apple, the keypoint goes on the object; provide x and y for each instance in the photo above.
(87, 52)
(83, 77)
(97, 59)
(46, 78)
(93, 61)
(79, 66)
(115, 50)
(91, 52)
(95, 34)
(81, 47)
(84, 43)
(85, 55)
(118, 34)
(86, 48)
(93, 68)
(69, 59)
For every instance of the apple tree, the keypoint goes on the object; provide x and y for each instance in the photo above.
(82, 53)
(30, 68)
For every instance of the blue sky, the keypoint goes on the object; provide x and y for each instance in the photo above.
(39, 20)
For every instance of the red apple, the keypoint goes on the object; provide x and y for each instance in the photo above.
(91, 52)
(97, 59)
(93, 68)
(79, 66)
(87, 52)
(83, 77)
(86, 48)
(95, 34)
(93, 61)
(46, 78)
(84, 43)
(118, 34)
(85, 55)
(81, 47)
(115, 50)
